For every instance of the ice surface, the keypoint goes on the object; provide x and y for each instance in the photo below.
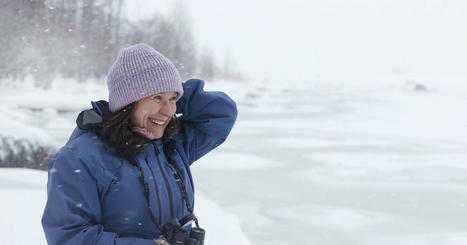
(235, 162)
(396, 168)
(329, 217)
(359, 164)
(436, 238)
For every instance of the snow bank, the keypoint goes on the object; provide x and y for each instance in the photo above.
(11, 126)
(221, 227)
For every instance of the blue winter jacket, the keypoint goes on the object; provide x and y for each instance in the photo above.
(96, 197)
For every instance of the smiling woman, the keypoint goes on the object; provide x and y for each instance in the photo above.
(153, 113)
(124, 175)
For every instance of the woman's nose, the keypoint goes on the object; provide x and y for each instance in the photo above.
(165, 109)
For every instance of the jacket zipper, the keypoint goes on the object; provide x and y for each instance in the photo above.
(157, 189)
(181, 185)
(169, 190)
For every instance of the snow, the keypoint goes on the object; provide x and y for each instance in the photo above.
(445, 238)
(330, 217)
(64, 95)
(25, 192)
(384, 168)
(243, 162)
(221, 227)
(365, 163)
(12, 127)
(28, 112)
(21, 139)
(307, 162)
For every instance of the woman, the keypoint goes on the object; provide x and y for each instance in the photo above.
(124, 175)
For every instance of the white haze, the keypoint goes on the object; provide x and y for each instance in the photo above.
(332, 40)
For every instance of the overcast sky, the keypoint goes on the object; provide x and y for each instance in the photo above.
(332, 39)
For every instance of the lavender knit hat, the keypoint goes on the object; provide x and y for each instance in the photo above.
(138, 72)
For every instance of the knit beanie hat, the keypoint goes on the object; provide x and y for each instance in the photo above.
(138, 72)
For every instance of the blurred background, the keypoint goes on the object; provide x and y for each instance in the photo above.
(307, 40)
(352, 124)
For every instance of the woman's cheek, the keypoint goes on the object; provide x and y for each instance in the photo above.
(140, 119)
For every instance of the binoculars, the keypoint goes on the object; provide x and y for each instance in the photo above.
(184, 237)
(180, 236)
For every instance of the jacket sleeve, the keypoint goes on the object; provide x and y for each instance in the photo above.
(72, 213)
(207, 118)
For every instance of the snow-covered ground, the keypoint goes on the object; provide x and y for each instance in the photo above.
(23, 193)
(310, 163)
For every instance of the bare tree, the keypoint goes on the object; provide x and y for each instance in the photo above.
(80, 39)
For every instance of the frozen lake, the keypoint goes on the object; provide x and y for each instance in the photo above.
(335, 166)
(324, 164)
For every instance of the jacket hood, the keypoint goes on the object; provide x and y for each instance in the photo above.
(93, 119)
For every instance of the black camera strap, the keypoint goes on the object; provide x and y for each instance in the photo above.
(186, 220)
(146, 193)
(182, 187)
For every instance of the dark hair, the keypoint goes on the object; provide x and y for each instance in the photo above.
(117, 132)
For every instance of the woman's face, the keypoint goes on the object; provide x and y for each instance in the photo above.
(154, 112)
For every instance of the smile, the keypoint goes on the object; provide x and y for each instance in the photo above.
(157, 122)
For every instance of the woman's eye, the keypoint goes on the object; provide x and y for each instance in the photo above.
(157, 97)
(173, 98)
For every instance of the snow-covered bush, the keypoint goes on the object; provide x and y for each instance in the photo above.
(24, 153)
(21, 143)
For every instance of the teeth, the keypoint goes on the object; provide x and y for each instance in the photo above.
(157, 122)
